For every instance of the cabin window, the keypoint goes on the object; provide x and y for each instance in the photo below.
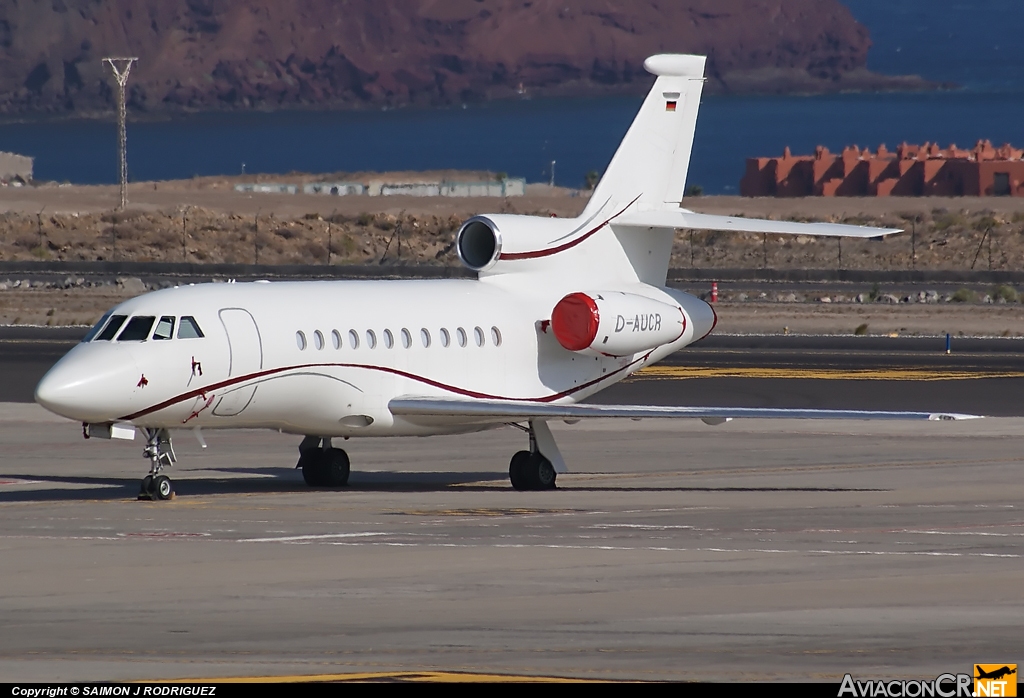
(371, 339)
(478, 335)
(137, 329)
(336, 339)
(188, 328)
(425, 337)
(389, 340)
(318, 340)
(164, 328)
(353, 339)
(446, 338)
(406, 338)
(112, 327)
(461, 333)
(496, 336)
(96, 328)
(300, 340)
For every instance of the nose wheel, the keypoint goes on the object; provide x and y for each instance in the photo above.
(161, 455)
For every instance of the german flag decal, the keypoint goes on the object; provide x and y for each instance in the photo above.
(670, 105)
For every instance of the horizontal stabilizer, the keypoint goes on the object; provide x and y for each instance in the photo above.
(682, 218)
(518, 411)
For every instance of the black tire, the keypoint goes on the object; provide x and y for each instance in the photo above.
(519, 469)
(162, 488)
(543, 473)
(313, 470)
(146, 487)
(335, 466)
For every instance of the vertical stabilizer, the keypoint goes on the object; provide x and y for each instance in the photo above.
(653, 158)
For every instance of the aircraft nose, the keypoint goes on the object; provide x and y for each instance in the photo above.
(87, 386)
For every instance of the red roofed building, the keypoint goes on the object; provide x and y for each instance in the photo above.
(912, 170)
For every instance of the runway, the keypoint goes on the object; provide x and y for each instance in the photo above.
(751, 551)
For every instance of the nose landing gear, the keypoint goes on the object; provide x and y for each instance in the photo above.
(161, 455)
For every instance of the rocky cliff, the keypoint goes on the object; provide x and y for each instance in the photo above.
(212, 54)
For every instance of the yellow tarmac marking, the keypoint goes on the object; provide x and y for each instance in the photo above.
(902, 374)
(391, 676)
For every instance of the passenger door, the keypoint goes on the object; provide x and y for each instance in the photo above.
(245, 349)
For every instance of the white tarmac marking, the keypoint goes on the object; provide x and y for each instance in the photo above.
(340, 539)
(647, 527)
(773, 551)
(324, 536)
(962, 533)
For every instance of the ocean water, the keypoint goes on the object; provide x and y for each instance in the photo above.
(973, 44)
(519, 138)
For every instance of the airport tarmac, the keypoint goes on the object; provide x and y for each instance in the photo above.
(755, 550)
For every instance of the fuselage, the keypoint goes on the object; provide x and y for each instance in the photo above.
(326, 357)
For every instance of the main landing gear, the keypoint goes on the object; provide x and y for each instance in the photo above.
(322, 465)
(161, 455)
(531, 470)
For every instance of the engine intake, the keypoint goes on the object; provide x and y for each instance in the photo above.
(615, 323)
(478, 243)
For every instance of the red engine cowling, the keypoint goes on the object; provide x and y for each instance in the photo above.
(615, 323)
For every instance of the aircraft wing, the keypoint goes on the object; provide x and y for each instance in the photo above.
(671, 218)
(521, 411)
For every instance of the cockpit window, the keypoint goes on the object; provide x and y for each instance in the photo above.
(137, 329)
(111, 329)
(96, 328)
(188, 328)
(164, 328)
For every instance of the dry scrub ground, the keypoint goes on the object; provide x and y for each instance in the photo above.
(205, 220)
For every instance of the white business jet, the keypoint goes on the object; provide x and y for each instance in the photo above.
(560, 310)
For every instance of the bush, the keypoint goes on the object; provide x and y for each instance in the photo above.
(949, 220)
(964, 295)
(985, 223)
(315, 250)
(1006, 293)
(694, 190)
(862, 329)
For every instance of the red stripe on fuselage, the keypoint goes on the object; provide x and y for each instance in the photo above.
(384, 369)
(561, 248)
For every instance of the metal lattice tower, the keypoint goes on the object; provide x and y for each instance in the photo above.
(121, 67)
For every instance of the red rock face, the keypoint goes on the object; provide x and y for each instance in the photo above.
(266, 53)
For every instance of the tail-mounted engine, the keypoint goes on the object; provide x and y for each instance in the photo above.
(615, 323)
(478, 243)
